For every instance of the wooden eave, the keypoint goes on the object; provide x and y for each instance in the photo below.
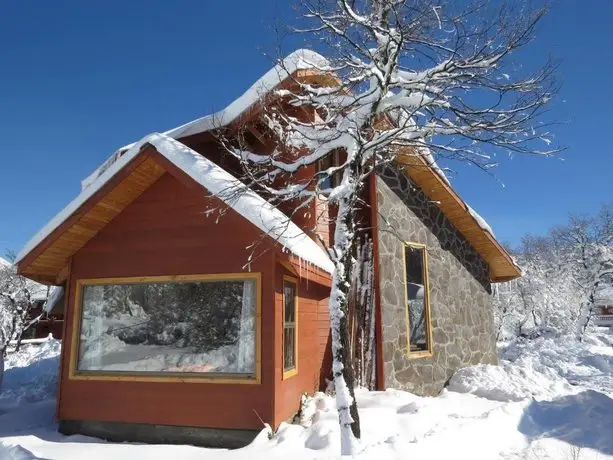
(303, 270)
(47, 262)
(501, 265)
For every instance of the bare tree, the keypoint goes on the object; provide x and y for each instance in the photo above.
(17, 306)
(416, 79)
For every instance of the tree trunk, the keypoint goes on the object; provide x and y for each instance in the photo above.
(344, 241)
(588, 316)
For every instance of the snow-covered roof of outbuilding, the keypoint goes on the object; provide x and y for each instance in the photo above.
(604, 295)
(218, 182)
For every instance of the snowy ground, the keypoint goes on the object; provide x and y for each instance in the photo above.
(549, 399)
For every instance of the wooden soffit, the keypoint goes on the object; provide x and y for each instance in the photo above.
(502, 267)
(46, 262)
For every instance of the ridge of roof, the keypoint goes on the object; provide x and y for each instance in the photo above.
(301, 59)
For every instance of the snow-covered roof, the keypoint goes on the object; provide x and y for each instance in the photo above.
(480, 220)
(55, 295)
(604, 295)
(219, 183)
(302, 59)
(501, 264)
(427, 155)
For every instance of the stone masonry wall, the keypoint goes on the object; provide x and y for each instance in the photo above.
(460, 301)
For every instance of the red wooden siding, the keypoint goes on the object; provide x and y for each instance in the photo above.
(313, 333)
(165, 232)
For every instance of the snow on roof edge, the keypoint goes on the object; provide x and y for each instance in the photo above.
(219, 183)
(427, 155)
(301, 59)
(55, 295)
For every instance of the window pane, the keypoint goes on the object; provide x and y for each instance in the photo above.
(203, 327)
(289, 325)
(417, 297)
(289, 358)
(289, 296)
(325, 163)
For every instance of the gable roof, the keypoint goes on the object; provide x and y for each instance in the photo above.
(46, 260)
(301, 59)
(421, 169)
(466, 220)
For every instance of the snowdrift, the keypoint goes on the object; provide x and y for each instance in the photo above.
(549, 399)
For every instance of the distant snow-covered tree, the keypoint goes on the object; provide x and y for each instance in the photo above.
(587, 242)
(561, 276)
(417, 78)
(17, 304)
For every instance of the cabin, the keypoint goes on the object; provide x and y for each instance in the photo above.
(603, 306)
(192, 316)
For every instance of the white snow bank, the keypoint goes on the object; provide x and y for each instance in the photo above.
(541, 368)
(507, 382)
(30, 375)
(11, 452)
(395, 424)
(219, 183)
(300, 59)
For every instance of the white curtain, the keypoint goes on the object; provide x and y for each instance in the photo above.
(92, 328)
(246, 340)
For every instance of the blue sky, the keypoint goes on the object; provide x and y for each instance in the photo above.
(79, 79)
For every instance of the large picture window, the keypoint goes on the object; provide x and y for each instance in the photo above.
(290, 343)
(418, 302)
(190, 325)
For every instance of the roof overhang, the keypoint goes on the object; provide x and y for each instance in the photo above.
(46, 257)
(302, 65)
(501, 264)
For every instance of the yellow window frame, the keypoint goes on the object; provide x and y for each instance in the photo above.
(293, 371)
(426, 278)
(75, 374)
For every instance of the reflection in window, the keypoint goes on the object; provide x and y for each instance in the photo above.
(334, 180)
(186, 327)
(417, 297)
(289, 326)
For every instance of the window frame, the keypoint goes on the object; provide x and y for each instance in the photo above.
(293, 371)
(75, 336)
(334, 159)
(426, 278)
